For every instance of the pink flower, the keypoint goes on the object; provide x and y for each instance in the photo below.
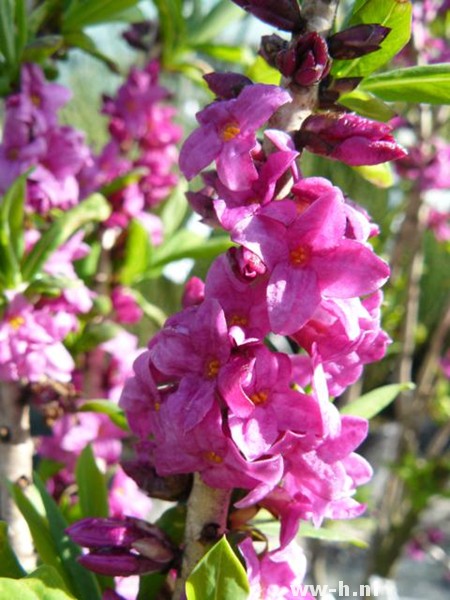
(275, 575)
(227, 134)
(31, 344)
(308, 258)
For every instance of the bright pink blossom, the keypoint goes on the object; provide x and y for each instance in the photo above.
(227, 134)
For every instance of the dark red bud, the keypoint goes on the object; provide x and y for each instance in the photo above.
(172, 487)
(141, 35)
(284, 14)
(271, 46)
(226, 85)
(357, 41)
(307, 62)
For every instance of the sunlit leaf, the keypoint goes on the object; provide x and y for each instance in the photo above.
(372, 403)
(219, 574)
(427, 84)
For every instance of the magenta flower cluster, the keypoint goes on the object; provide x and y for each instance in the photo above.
(143, 137)
(32, 138)
(212, 394)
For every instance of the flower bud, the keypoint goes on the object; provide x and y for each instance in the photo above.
(194, 292)
(118, 563)
(104, 533)
(271, 46)
(245, 264)
(307, 62)
(284, 14)
(226, 85)
(357, 41)
(349, 138)
(171, 487)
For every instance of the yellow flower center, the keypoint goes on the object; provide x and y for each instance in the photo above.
(213, 457)
(299, 256)
(259, 398)
(16, 322)
(212, 368)
(36, 100)
(237, 320)
(229, 132)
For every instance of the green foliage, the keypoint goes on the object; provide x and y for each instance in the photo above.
(389, 13)
(81, 13)
(367, 105)
(427, 84)
(9, 565)
(11, 232)
(106, 407)
(218, 576)
(92, 209)
(372, 403)
(42, 584)
(137, 255)
(92, 489)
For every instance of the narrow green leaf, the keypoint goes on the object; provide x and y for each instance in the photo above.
(93, 209)
(335, 531)
(82, 581)
(219, 575)
(151, 311)
(42, 48)
(367, 105)
(9, 564)
(7, 42)
(373, 402)
(427, 84)
(381, 175)
(42, 584)
(92, 490)
(233, 54)
(150, 585)
(79, 39)
(172, 25)
(95, 334)
(261, 72)
(174, 209)
(21, 26)
(93, 12)
(106, 407)
(213, 24)
(40, 532)
(11, 229)
(186, 244)
(137, 255)
(395, 14)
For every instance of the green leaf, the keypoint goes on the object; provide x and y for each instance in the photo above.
(151, 311)
(427, 84)
(233, 54)
(367, 105)
(261, 72)
(380, 175)
(173, 522)
(334, 531)
(7, 41)
(79, 39)
(172, 26)
(95, 208)
(9, 565)
(395, 14)
(174, 209)
(42, 584)
(48, 285)
(218, 576)
(123, 181)
(137, 255)
(42, 48)
(81, 13)
(92, 490)
(373, 402)
(186, 244)
(95, 334)
(82, 581)
(213, 24)
(106, 407)
(150, 585)
(40, 532)
(21, 26)
(11, 229)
